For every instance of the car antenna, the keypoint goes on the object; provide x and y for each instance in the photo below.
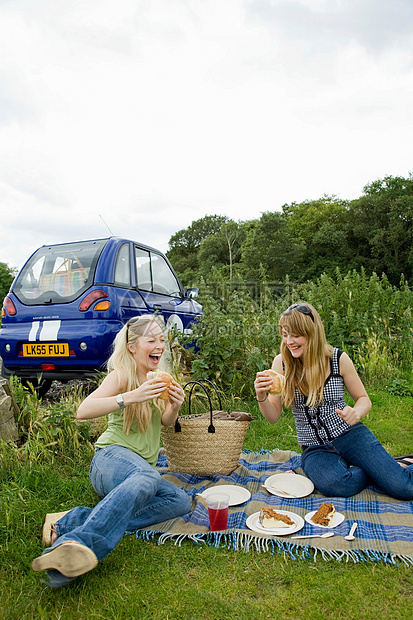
(106, 225)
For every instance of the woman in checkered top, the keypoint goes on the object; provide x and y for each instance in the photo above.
(340, 454)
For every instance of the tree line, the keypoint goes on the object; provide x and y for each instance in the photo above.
(373, 233)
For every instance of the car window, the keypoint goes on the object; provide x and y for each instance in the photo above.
(57, 273)
(154, 274)
(164, 281)
(122, 268)
(143, 269)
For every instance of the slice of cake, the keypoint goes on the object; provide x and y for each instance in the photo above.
(270, 519)
(324, 515)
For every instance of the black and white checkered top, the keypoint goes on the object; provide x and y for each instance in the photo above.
(322, 424)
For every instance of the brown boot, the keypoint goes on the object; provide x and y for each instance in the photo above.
(70, 558)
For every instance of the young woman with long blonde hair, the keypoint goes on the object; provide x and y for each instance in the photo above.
(134, 494)
(339, 453)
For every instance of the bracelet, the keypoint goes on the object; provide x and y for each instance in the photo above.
(263, 400)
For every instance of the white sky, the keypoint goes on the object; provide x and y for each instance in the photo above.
(149, 114)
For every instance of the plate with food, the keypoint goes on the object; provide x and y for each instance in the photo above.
(275, 522)
(237, 494)
(289, 485)
(326, 516)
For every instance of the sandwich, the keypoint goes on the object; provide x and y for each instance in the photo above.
(163, 377)
(277, 382)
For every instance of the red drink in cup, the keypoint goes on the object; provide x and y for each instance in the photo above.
(218, 511)
(218, 519)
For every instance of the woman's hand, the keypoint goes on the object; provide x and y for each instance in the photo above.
(262, 385)
(146, 391)
(176, 395)
(176, 398)
(349, 415)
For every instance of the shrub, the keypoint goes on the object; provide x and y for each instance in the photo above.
(52, 428)
(365, 316)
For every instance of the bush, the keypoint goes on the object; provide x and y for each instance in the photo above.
(50, 429)
(365, 316)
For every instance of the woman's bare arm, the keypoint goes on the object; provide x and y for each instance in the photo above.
(270, 406)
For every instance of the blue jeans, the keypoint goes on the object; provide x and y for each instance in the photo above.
(134, 496)
(354, 461)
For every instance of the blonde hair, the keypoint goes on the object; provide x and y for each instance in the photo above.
(123, 363)
(306, 373)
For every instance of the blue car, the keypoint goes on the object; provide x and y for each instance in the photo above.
(68, 302)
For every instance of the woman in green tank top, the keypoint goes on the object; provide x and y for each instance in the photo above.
(134, 494)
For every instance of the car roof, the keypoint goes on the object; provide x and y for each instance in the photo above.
(114, 238)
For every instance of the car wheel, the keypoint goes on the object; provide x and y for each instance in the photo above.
(40, 387)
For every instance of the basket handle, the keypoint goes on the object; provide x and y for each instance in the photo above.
(211, 427)
(214, 387)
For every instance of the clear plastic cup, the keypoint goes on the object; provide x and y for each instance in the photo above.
(218, 511)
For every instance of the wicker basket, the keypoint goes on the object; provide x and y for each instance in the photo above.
(192, 446)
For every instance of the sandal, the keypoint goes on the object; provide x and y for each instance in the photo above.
(406, 460)
(71, 559)
(49, 528)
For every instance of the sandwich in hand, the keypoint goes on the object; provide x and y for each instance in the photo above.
(277, 382)
(163, 377)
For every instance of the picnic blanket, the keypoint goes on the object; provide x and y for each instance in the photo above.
(384, 532)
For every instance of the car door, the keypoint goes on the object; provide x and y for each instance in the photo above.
(161, 289)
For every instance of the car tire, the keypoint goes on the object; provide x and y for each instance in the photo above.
(40, 387)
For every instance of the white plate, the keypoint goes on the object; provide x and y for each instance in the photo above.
(253, 523)
(237, 494)
(294, 485)
(337, 519)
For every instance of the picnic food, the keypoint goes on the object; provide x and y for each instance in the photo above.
(277, 382)
(270, 519)
(324, 514)
(164, 377)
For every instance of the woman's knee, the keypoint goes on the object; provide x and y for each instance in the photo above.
(123, 468)
(184, 502)
(144, 482)
(175, 495)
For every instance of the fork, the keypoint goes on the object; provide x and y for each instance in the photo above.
(287, 493)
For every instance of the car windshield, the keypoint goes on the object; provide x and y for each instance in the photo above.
(58, 273)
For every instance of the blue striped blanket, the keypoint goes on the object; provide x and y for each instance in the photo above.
(384, 532)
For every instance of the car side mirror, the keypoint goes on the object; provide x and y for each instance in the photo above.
(192, 293)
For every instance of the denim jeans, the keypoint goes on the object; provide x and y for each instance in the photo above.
(134, 496)
(354, 461)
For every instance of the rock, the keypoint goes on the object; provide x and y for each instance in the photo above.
(8, 412)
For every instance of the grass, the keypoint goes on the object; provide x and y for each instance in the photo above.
(144, 580)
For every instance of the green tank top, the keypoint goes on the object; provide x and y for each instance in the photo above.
(144, 444)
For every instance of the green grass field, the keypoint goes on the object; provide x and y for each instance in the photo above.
(147, 581)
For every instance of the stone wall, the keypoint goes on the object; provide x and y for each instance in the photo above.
(8, 412)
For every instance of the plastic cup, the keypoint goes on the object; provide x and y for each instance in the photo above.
(218, 511)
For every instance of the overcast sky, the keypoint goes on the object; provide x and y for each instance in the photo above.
(144, 115)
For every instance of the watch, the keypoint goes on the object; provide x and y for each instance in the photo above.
(119, 400)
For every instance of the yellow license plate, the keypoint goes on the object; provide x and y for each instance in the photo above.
(46, 349)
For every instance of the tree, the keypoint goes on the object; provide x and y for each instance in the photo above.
(7, 275)
(381, 227)
(304, 240)
(320, 227)
(389, 186)
(270, 246)
(222, 248)
(184, 244)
